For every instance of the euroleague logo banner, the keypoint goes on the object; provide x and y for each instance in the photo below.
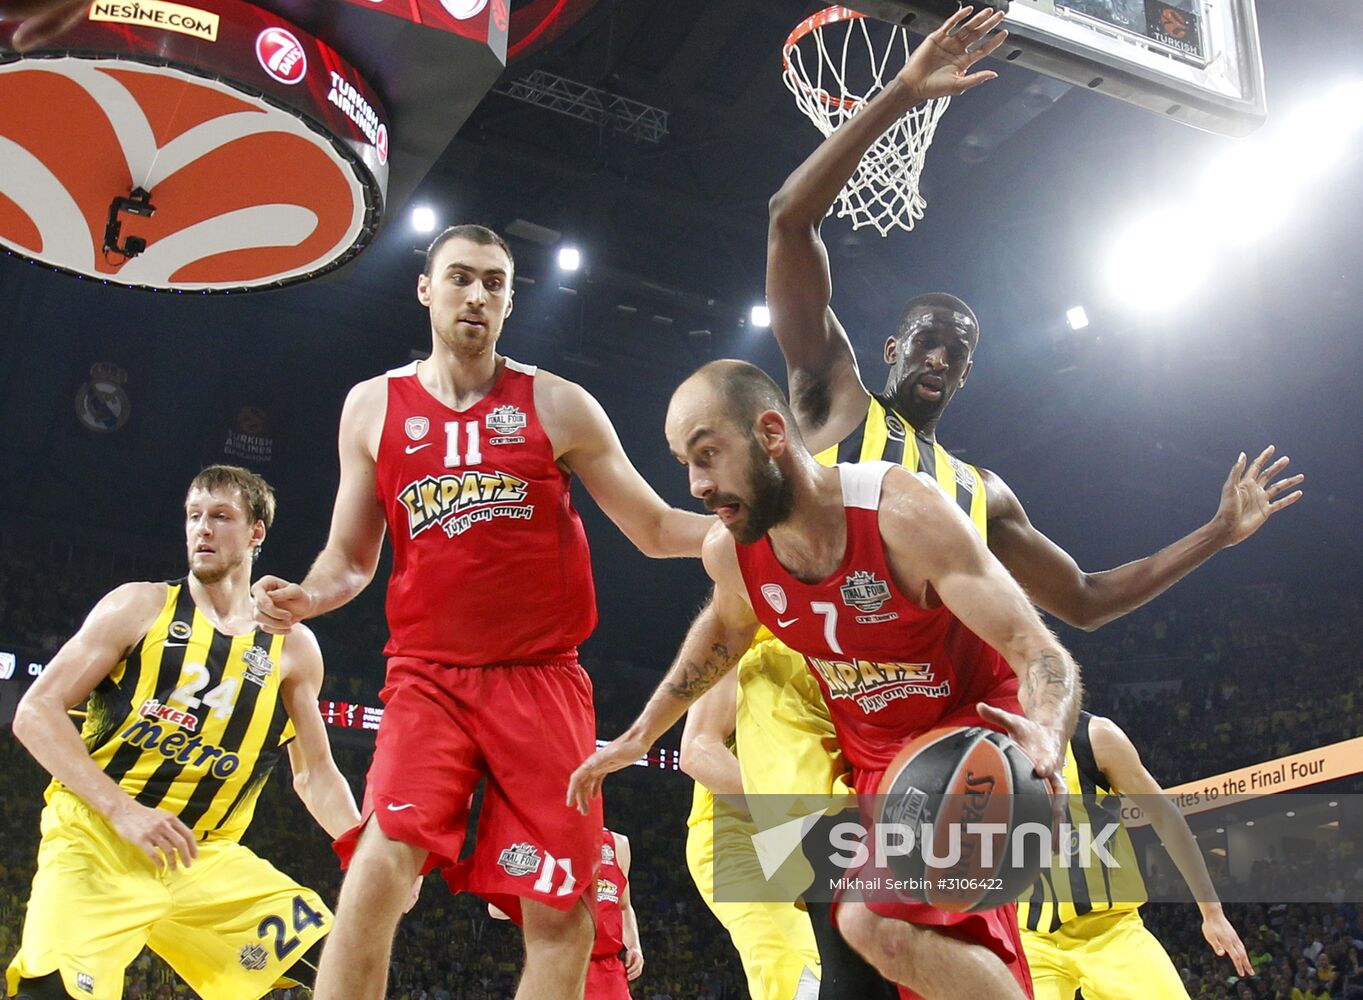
(209, 146)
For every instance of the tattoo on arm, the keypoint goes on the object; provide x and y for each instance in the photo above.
(689, 680)
(1051, 685)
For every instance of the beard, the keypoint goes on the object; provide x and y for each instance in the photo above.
(919, 412)
(773, 498)
(211, 575)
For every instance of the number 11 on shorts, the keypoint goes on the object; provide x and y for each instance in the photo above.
(545, 883)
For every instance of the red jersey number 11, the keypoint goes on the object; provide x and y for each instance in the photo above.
(470, 457)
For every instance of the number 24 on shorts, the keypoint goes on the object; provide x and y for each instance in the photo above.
(304, 917)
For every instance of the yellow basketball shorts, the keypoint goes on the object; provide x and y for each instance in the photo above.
(231, 925)
(774, 940)
(1109, 955)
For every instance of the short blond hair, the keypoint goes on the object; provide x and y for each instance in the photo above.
(257, 496)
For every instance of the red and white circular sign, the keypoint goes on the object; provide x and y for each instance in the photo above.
(261, 151)
(282, 55)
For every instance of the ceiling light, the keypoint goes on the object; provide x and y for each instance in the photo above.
(423, 219)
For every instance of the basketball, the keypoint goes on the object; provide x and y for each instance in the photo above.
(944, 786)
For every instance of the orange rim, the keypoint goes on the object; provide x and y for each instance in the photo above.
(816, 22)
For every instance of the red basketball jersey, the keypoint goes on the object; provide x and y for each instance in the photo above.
(611, 883)
(490, 562)
(889, 669)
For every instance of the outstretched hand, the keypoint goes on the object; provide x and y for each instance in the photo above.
(940, 66)
(1250, 495)
(1225, 942)
(585, 783)
(42, 20)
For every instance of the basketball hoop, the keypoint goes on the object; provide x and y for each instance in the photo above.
(836, 71)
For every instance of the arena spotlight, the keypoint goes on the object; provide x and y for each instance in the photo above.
(1077, 318)
(569, 258)
(423, 219)
(1158, 263)
(1254, 188)
(1318, 135)
(760, 316)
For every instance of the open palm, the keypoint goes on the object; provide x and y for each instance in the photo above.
(1252, 495)
(940, 66)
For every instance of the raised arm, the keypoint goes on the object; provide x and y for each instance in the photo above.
(585, 442)
(634, 951)
(705, 754)
(931, 544)
(1249, 497)
(717, 639)
(826, 390)
(1118, 759)
(316, 778)
(42, 725)
(347, 564)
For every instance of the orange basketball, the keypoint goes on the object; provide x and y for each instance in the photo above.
(945, 786)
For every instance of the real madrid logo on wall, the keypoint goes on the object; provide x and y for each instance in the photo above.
(102, 404)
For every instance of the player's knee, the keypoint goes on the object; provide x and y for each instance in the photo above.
(380, 857)
(857, 925)
(545, 927)
(882, 942)
(49, 987)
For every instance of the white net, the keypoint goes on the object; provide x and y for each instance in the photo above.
(834, 63)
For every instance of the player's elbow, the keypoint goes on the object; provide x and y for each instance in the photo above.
(690, 759)
(1089, 612)
(784, 214)
(33, 719)
(303, 784)
(1087, 621)
(27, 722)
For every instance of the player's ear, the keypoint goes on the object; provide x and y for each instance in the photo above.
(423, 289)
(257, 538)
(772, 432)
(966, 374)
(510, 300)
(891, 350)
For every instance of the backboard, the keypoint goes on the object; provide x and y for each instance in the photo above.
(1196, 61)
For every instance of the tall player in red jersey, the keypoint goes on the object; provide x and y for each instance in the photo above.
(465, 460)
(952, 639)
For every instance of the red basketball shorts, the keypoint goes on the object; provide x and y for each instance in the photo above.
(606, 979)
(997, 929)
(524, 728)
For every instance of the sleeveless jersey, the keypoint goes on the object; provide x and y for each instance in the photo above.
(883, 435)
(490, 562)
(1063, 894)
(888, 668)
(611, 883)
(191, 720)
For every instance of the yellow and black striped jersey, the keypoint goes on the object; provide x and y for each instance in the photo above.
(1065, 893)
(191, 720)
(885, 436)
